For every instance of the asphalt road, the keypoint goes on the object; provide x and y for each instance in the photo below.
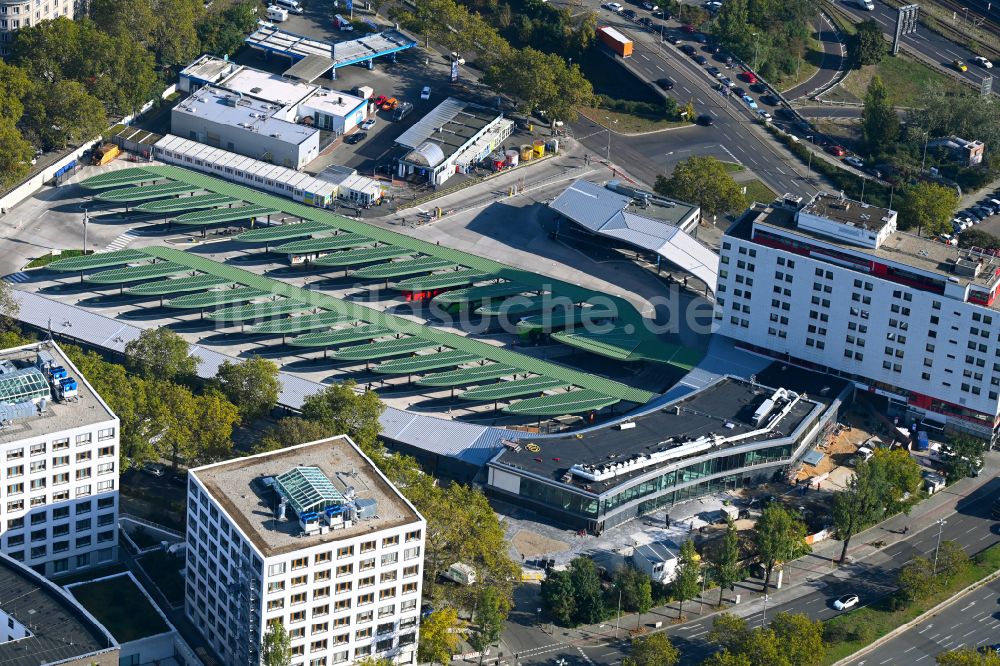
(928, 43)
(834, 55)
(970, 526)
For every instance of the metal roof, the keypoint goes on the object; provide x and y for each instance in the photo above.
(513, 389)
(813, 457)
(309, 68)
(440, 280)
(309, 322)
(308, 489)
(217, 297)
(282, 306)
(522, 306)
(176, 285)
(118, 178)
(135, 273)
(565, 318)
(323, 244)
(399, 268)
(97, 260)
(574, 402)
(482, 293)
(220, 215)
(340, 336)
(382, 349)
(363, 255)
(270, 39)
(186, 203)
(619, 343)
(467, 376)
(424, 362)
(143, 192)
(281, 232)
(422, 130)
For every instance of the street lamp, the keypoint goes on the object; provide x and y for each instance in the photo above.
(965, 19)
(810, 167)
(756, 43)
(763, 615)
(86, 219)
(941, 523)
(927, 136)
(608, 118)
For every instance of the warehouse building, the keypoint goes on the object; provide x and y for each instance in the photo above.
(314, 537)
(731, 434)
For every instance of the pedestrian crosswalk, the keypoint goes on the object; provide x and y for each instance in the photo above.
(16, 278)
(121, 242)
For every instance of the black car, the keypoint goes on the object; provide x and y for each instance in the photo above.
(688, 49)
(357, 137)
(673, 39)
(666, 84)
(758, 88)
(629, 14)
(700, 38)
(701, 60)
(739, 92)
(714, 71)
(660, 14)
(646, 21)
(769, 99)
(705, 119)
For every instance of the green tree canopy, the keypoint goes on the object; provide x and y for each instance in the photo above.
(212, 432)
(438, 640)
(290, 431)
(903, 478)
(221, 32)
(15, 154)
(861, 504)
(276, 649)
(868, 46)
(704, 181)
(343, 410)
(559, 597)
(63, 114)
(952, 560)
(252, 385)
(491, 613)
(653, 650)
(724, 559)
(687, 577)
(14, 87)
(542, 82)
(927, 207)
(972, 238)
(636, 590)
(730, 631)
(160, 353)
(779, 537)
(967, 657)
(916, 580)
(963, 456)
(801, 638)
(587, 591)
(727, 658)
(879, 122)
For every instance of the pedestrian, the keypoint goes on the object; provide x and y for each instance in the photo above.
(906, 529)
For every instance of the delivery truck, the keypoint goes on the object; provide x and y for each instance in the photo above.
(615, 41)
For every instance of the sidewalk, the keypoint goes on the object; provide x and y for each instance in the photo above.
(801, 575)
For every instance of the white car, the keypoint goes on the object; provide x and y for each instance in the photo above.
(457, 58)
(982, 62)
(613, 6)
(764, 115)
(425, 94)
(854, 162)
(368, 124)
(845, 602)
(650, 6)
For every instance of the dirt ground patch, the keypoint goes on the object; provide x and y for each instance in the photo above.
(532, 544)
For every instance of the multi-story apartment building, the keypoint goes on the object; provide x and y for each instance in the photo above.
(833, 285)
(59, 463)
(313, 537)
(17, 14)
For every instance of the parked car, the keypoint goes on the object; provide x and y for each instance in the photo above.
(835, 150)
(770, 100)
(739, 92)
(749, 101)
(673, 39)
(854, 162)
(389, 104)
(982, 62)
(613, 6)
(646, 22)
(701, 60)
(705, 119)
(728, 82)
(661, 14)
(666, 84)
(379, 101)
(688, 49)
(960, 66)
(425, 93)
(357, 137)
(688, 28)
(764, 115)
(748, 76)
(368, 124)
(715, 71)
(629, 14)
(700, 38)
(845, 602)
(649, 6)
(154, 469)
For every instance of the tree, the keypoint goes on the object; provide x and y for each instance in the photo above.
(15, 154)
(653, 650)
(970, 238)
(915, 579)
(801, 638)
(63, 114)
(968, 657)
(724, 559)
(48, 51)
(703, 181)
(276, 649)
(160, 353)
(173, 411)
(903, 477)
(342, 410)
(374, 661)
(732, 25)
(125, 18)
(687, 576)
(175, 37)
(491, 613)
(779, 537)
(222, 33)
(952, 560)
(252, 385)
(928, 207)
(636, 590)
(290, 431)
(868, 46)
(212, 431)
(861, 504)
(438, 639)
(727, 658)
(559, 597)
(963, 456)
(764, 649)
(543, 83)
(14, 87)
(879, 122)
(587, 591)
(730, 631)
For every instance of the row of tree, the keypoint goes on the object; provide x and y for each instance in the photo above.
(774, 34)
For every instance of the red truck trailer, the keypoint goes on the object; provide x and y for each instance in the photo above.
(615, 41)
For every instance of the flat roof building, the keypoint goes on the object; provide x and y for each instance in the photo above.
(314, 537)
(729, 434)
(59, 441)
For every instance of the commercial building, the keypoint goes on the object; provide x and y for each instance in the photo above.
(17, 14)
(833, 285)
(451, 139)
(657, 559)
(59, 446)
(42, 624)
(730, 434)
(313, 537)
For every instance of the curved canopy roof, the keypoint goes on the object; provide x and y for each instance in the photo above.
(427, 154)
(574, 402)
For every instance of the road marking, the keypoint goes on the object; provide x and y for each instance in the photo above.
(700, 633)
(971, 529)
(121, 242)
(969, 634)
(923, 656)
(687, 90)
(643, 56)
(910, 649)
(700, 100)
(885, 661)
(585, 657)
(660, 68)
(782, 171)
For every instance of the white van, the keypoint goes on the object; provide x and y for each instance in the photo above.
(276, 13)
(293, 6)
(867, 5)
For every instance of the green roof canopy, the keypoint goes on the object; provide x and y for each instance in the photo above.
(144, 192)
(522, 306)
(574, 402)
(324, 244)
(482, 293)
(406, 267)
(219, 297)
(340, 336)
(185, 203)
(424, 362)
(97, 260)
(176, 286)
(363, 255)
(560, 318)
(512, 389)
(221, 215)
(281, 306)
(118, 178)
(309, 322)
(467, 376)
(135, 273)
(282, 232)
(382, 349)
(440, 280)
(308, 489)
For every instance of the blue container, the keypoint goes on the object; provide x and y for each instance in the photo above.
(923, 443)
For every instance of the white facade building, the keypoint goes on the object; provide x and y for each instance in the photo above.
(17, 14)
(59, 447)
(832, 285)
(313, 537)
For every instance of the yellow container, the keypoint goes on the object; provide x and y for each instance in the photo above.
(539, 148)
(526, 153)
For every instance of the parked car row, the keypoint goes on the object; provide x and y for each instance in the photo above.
(973, 215)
